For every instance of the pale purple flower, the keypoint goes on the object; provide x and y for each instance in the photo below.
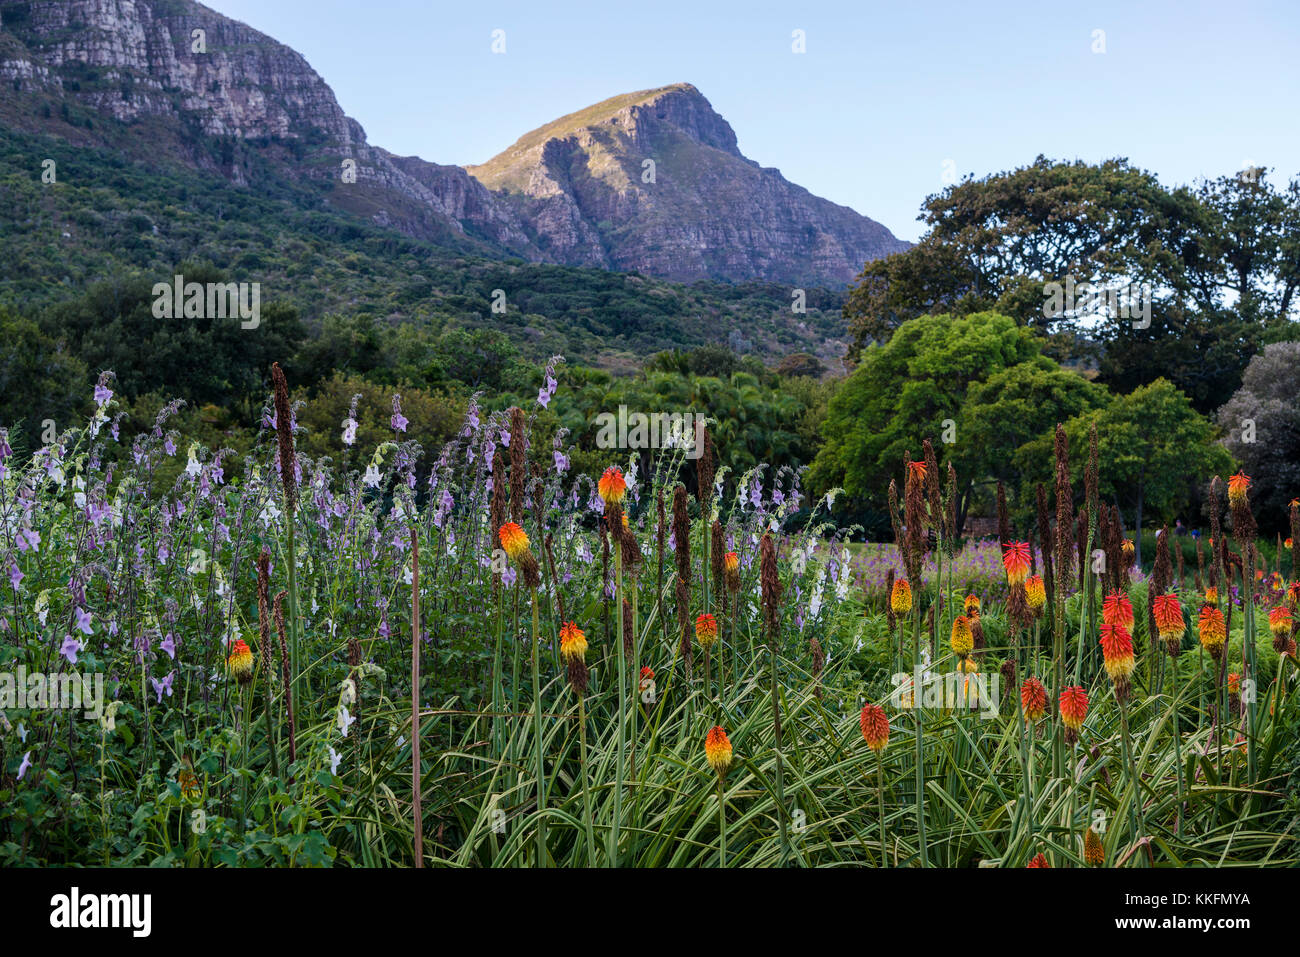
(168, 644)
(83, 621)
(15, 576)
(27, 763)
(399, 421)
(70, 649)
(163, 687)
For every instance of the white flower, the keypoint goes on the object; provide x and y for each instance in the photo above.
(192, 467)
(371, 478)
(345, 721)
(335, 759)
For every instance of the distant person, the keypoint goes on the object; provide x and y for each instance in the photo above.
(1179, 527)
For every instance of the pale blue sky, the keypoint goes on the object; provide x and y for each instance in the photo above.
(867, 117)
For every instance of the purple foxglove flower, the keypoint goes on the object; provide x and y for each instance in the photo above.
(71, 647)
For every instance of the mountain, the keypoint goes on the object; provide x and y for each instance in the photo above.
(136, 77)
(654, 182)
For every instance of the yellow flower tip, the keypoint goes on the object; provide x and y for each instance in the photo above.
(1015, 559)
(1212, 629)
(1074, 707)
(1117, 651)
(1033, 699)
(875, 727)
(239, 663)
(1035, 592)
(514, 540)
(962, 638)
(717, 748)
(612, 487)
(1168, 613)
(706, 630)
(901, 599)
(573, 643)
(1237, 487)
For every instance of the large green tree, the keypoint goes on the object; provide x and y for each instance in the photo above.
(1213, 270)
(1155, 452)
(918, 385)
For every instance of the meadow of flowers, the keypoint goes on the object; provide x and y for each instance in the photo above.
(496, 662)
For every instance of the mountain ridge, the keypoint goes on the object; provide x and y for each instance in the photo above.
(571, 192)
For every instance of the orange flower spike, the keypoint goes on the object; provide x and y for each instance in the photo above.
(1169, 616)
(1234, 683)
(1116, 609)
(1074, 707)
(731, 568)
(971, 606)
(514, 540)
(239, 663)
(573, 643)
(706, 630)
(901, 600)
(1212, 630)
(1094, 854)
(1015, 559)
(1033, 699)
(1038, 860)
(875, 727)
(1035, 593)
(717, 749)
(612, 487)
(1237, 486)
(1212, 595)
(1117, 651)
(916, 471)
(962, 638)
(1279, 620)
(647, 678)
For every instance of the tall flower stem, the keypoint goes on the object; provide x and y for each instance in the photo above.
(722, 825)
(586, 783)
(416, 811)
(622, 712)
(880, 804)
(916, 713)
(542, 860)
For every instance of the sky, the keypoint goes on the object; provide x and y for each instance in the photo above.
(888, 103)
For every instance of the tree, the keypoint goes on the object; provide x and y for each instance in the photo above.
(1200, 276)
(1005, 415)
(1261, 428)
(909, 389)
(1154, 452)
(39, 379)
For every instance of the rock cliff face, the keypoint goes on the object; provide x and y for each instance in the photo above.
(653, 181)
(650, 181)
